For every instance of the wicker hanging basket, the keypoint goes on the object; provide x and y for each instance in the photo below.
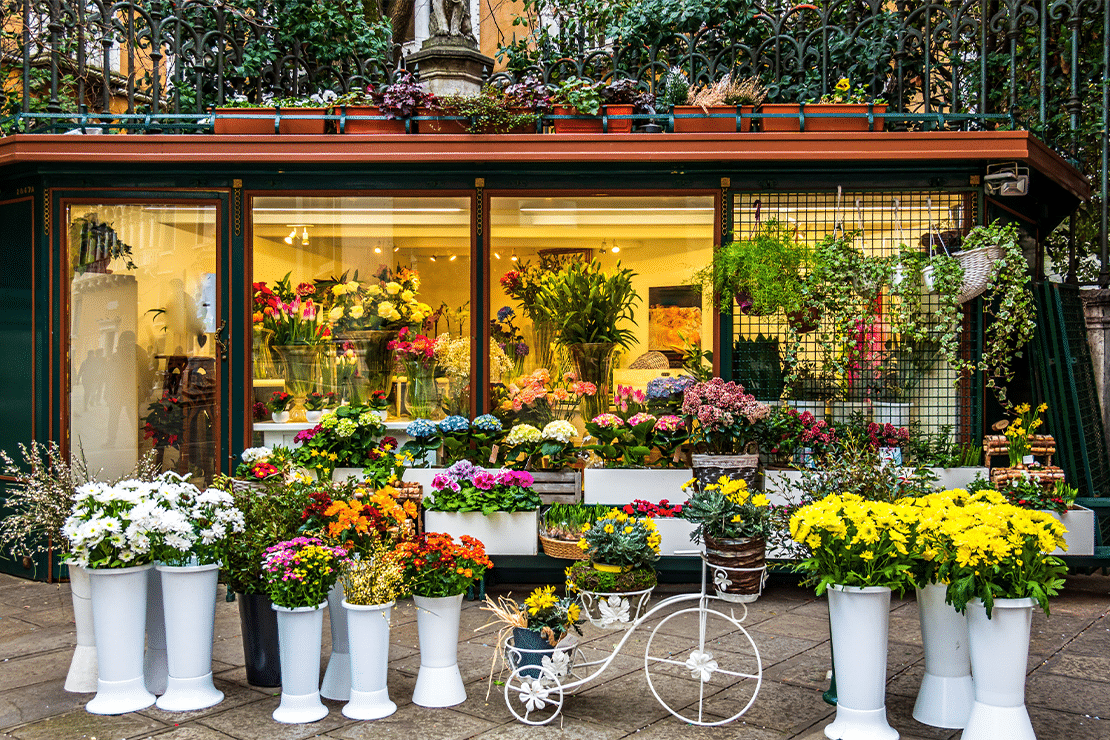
(978, 266)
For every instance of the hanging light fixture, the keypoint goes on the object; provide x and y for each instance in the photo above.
(292, 235)
(453, 258)
(304, 236)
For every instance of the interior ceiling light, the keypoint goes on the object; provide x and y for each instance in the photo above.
(292, 235)
(377, 250)
(496, 255)
(304, 237)
(432, 258)
(616, 249)
(396, 249)
(453, 258)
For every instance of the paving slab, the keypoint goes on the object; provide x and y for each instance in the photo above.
(417, 723)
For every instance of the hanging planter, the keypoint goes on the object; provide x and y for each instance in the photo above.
(738, 567)
(81, 678)
(947, 690)
(999, 656)
(119, 602)
(189, 597)
(439, 682)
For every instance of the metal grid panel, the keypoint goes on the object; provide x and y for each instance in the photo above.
(884, 220)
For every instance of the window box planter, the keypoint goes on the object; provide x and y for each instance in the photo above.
(1080, 523)
(370, 125)
(949, 478)
(699, 122)
(590, 125)
(225, 124)
(302, 121)
(620, 486)
(674, 534)
(789, 121)
(843, 117)
(438, 126)
(502, 533)
(619, 125)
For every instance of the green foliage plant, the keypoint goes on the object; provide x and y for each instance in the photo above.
(767, 269)
(581, 95)
(675, 88)
(488, 112)
(587, 305)
(566, 521)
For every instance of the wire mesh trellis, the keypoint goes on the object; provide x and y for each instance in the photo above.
(929, 397)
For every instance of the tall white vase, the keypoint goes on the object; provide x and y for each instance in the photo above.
(439, 682)
(189, 600)
(119, 623)
(859, 619)
(337, 676)
(300, 632)
(369, 659)
(81, 678)
(947, 691)
(155, 667)
(999, 653)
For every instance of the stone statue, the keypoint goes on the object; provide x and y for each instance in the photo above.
(451, 18)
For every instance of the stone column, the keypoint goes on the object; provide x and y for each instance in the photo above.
(422, 12)
(1096, 309)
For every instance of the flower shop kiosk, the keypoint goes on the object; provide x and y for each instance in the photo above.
(139, 270)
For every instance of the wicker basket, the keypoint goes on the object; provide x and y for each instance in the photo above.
(978, 266)
(245, 486)
(562, 549)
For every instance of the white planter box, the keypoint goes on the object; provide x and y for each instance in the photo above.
(675, 534)
(620, 486)
(948, 478)
(341, 474)
(423, 476)
(1080, 536)
(501, 533)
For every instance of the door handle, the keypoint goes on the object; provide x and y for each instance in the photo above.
(221, 348)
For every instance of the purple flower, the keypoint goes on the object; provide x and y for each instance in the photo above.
(521, 349)
(463, 470)
(505, 313)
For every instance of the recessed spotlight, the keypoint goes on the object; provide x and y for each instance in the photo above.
(292, 235)
(513, 258)
(453, 258)
(377, 250)
(432, 258)
(496, 255)
(616, 249)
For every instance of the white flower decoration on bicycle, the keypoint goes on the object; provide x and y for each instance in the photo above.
(721, 580)
(701, 665)
(532, 695)
(557, 663)
(612, 610)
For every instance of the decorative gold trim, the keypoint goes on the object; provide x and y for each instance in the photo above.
(237, 206)
(479, 185)
(726, 182)
(46, 213)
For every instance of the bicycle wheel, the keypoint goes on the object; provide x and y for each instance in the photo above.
(720, 675)
(534, 694)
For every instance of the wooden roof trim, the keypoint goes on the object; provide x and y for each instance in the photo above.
(802, 148)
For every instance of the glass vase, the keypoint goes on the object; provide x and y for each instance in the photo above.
(543, 344)
(302, 373)
(422, 395)
(594, 364)
(375, 359)
(261, 359)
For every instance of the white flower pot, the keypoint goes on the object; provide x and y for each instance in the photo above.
(947, 691)
(189, 598)
(620, 486)
(337, 676)
(313, 417)
(300, 632)
(502, 533)
(859, 619)
(674, 534)
(898, 414)
(949, 478)
(999, 652)
(81, 678)
(119, 621)
(155, 667)
(439, 682)
(841, 411)
(369, 659)
(1080, 535)
(279, 417)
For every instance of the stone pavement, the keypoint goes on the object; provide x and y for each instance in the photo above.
(1068, 688)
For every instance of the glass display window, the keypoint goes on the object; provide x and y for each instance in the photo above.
(360, 300)
(595, 290)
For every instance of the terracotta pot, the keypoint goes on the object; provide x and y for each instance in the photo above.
(857, 122)
(573, 126)
(371, 126)
(781, 124)
(438, 126)
(619, 125)
(302, 121)
(264, 124)
(702, 123)
(527, 128)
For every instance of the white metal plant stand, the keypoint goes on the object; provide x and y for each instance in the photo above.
(725, 663)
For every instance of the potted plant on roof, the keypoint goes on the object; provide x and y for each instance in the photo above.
(490, 111)
(615, 584)
(587, 306)
(370, 585)
(577, 103)
(440, 571)
(384, 109)
(240, 115)
(304, 114)
(724, 106)
(846, 109)
(498, 507)
(857, 553)
(298, 574)
(537, 632)
(733, 522)
(725, 424)
(623, 98)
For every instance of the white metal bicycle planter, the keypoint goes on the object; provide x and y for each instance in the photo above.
(535, 694)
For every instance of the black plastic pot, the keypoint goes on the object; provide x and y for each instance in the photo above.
(260, 640)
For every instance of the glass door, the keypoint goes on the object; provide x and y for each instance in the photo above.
(145, 335)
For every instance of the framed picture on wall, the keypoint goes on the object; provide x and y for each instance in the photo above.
(674, 320)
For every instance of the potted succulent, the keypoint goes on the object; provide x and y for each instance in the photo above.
(616, 583)
(733, 522)
(298, 575)
(496, 507)
(577, 97)
(537, 632)
(587, 306)
(846, 109)
(721, 107)
(439, 571)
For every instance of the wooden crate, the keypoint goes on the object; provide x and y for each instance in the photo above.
(1040, 446)
(411, 491)
(558, 486)
(1046, 476)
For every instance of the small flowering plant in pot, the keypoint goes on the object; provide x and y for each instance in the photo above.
(733, 521)
(608, 431)
(300, 572)
(522, 445)
(111, 526)
(465, 487)
(264, 464)
(316, 401)
(365, 521)
(454, 431)
(617, 542)
(724, 419)
(486, 432)
(1028, 493)
(345, 438)
(437, 566)
(279, 402)
(384, 465)
(537, 627)
(615, 585)
(426, 439)
(669, 435)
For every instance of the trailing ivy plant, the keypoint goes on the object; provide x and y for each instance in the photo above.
(948, 280)
(489, 112)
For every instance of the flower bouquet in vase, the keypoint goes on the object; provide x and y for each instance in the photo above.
(858, 550)
(415, 354)
(733, 521)
(615, 584)
(298, 334)
(299, 573)
(440, 571)
(537, 634)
